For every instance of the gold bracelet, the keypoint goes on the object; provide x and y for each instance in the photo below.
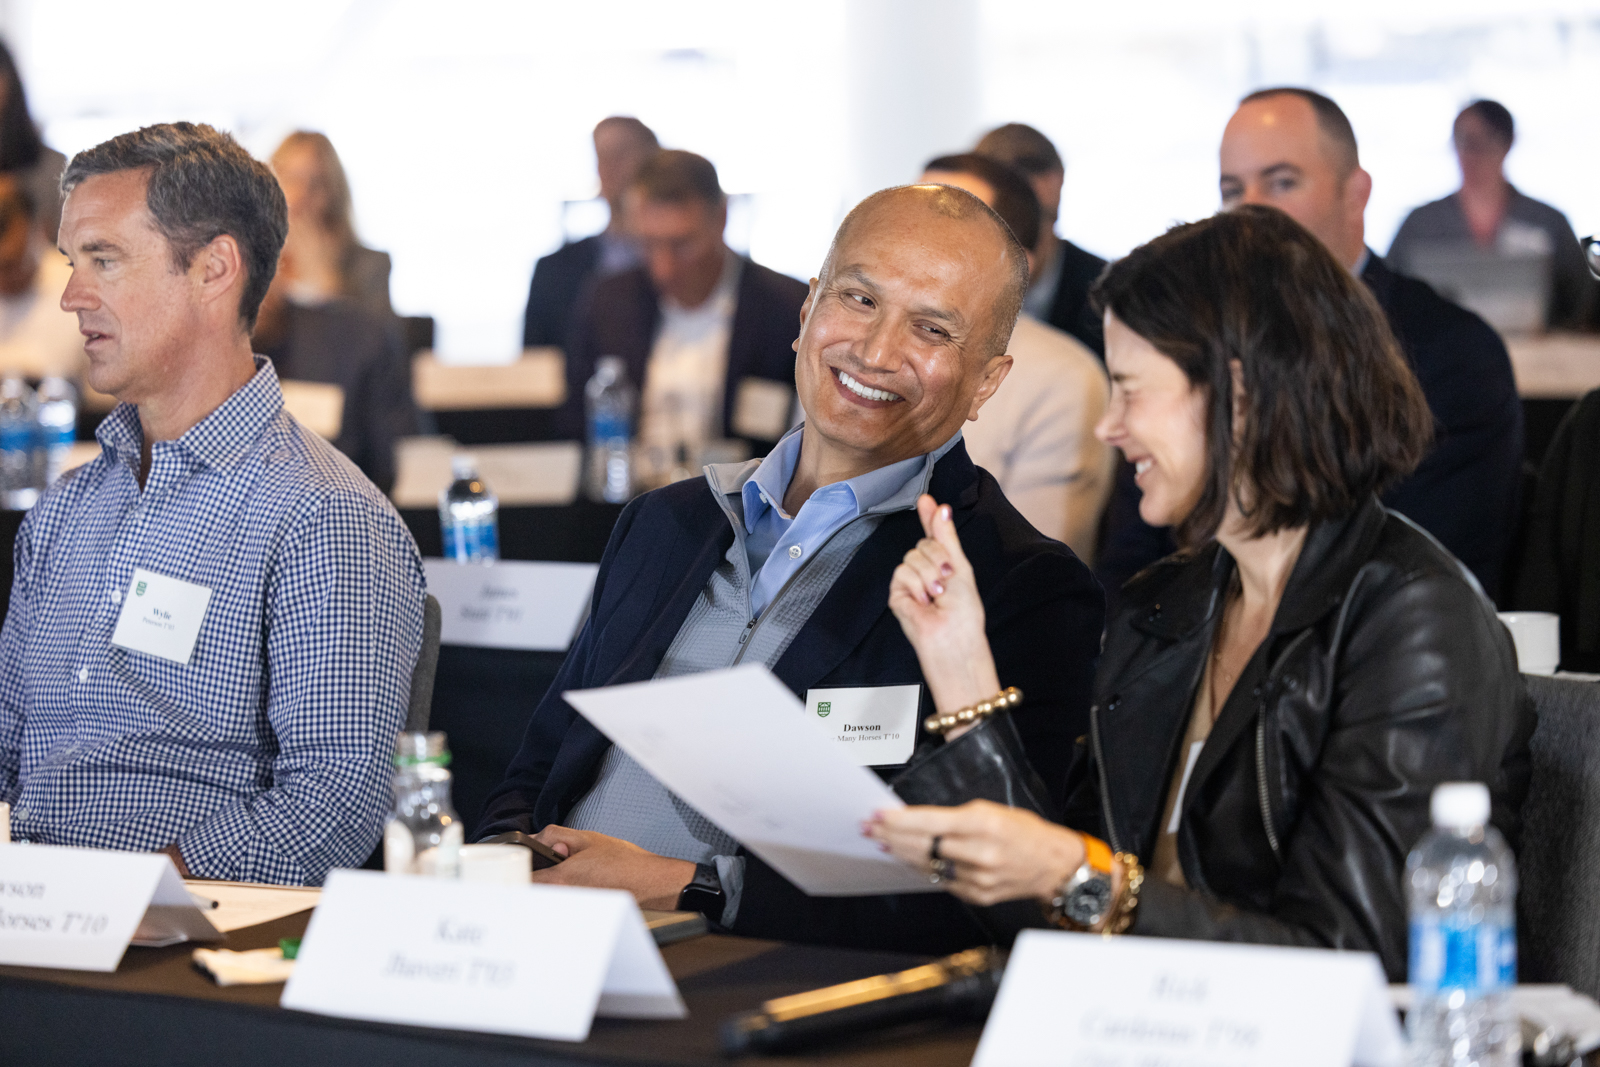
(940, 724)
(1132, 882)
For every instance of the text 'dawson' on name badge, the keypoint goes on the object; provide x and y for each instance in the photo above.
(1133, 1001)
(534, 960)
(871, 725)
(161, 616)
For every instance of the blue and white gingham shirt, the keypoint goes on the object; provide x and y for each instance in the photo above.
(268, 756)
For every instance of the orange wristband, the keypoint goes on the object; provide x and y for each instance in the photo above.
(1097, 853)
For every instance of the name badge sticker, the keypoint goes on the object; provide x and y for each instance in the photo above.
(161, 616)
(874, 726)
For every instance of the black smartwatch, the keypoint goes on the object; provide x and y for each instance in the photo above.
(704, 893)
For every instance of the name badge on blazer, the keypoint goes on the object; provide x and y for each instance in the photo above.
(161, 616)
(873, 725)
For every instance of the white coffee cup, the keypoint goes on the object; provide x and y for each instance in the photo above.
(503, 864)
(1537, 635)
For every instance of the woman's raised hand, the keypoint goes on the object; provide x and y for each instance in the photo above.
(935, 596)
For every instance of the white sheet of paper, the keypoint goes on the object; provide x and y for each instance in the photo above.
(242, 904)
(1127, 1001)
(736, 745)
(161, 616)
(534, 960)
(511, 604)
(873, 725)
(78, 908)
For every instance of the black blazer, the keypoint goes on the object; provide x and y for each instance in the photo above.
(560, 281)
(1385, 673)
(1070, 310)
(344, 344)
(620, 318)
(1044, 619)
(1465, 491)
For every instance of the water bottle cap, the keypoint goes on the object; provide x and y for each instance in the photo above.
(614, 365)
(464, 466)
(1457, 804)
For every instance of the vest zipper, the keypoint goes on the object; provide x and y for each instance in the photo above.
(754, 624)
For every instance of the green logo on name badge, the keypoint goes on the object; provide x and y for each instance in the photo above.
(823, 708)
(138, 590)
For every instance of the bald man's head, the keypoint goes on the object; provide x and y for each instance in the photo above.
(1293, 149)
(956, 205)
(903, 336)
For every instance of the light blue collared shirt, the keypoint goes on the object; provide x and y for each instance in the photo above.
(778, 544)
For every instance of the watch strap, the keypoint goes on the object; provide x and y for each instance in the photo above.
(704, 893)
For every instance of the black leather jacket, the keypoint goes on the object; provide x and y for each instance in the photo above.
(1384, 674)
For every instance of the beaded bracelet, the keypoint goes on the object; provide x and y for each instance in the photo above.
(940, 724)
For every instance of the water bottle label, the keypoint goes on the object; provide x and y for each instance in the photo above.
(469, 542)
(16, 438)
(1448, 953)
(608, 427)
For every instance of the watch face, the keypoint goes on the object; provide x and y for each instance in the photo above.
(1087, 903)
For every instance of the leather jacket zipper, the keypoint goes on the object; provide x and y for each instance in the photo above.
(1262, 794)
(754, 624)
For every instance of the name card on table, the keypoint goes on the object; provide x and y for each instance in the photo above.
(533, 960)
(79, 908)
(510, 604)
(1122, 1002)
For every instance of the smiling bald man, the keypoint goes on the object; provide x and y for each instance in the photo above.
(786, 561)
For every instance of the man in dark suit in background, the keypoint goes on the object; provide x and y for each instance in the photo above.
(903, 340)
(621, 144)
(1294, 149)
(706, 334)
(1058, 292)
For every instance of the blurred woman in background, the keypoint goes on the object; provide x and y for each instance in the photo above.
(322, 259)
(1276, 702)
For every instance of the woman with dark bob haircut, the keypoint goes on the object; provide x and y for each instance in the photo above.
(1276, 702)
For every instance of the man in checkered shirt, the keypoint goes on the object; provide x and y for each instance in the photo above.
(213, 625)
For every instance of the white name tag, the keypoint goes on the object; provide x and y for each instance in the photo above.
(161, 616)
(874, 726)
(1123, 1002)
(510, 604)
(534, 960)
(78, 908)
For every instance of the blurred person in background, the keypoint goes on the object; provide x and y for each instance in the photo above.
(322, 259)
(1489, 214)
(1062, 272)
(1036, 434)
(326, 317)
(1294, 149)
(37, 338)
(24, 153)
(621, 144)
(706, 334)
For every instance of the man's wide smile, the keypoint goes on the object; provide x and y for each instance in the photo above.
(865, 392)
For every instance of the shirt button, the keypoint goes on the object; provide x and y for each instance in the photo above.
(83, 674)
(21, 813)
(794, 551)
(116, 596)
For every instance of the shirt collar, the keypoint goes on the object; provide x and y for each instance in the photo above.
(892, 488)
(221, 438)
(1361, 264)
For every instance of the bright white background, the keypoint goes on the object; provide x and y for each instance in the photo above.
(465, 126)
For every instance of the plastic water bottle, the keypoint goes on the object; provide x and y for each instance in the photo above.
(17, 413)
(1462, 881)
(57, 429)
(424, 834)
(469, 516)
(608, 399)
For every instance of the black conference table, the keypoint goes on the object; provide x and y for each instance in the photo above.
(157, 1010)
